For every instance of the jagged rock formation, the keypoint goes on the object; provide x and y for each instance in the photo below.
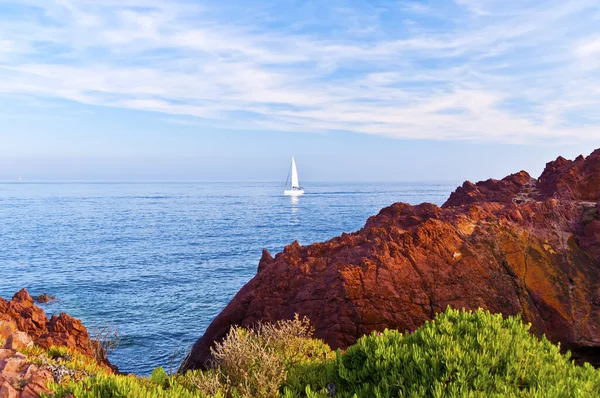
(19, 378)
(62, 330)
(516, 246)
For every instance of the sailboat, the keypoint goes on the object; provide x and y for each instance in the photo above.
(295, 189)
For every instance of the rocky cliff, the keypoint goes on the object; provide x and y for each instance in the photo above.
(24, 372)
(62, 330)
(517, 246)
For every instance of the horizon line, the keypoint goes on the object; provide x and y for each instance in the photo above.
(92, 181)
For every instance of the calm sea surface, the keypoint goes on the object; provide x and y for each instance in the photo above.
(160, 260)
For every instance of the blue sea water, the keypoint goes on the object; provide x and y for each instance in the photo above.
(160, 260)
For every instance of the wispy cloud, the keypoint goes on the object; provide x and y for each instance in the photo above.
(464, 70)
(589, 47)
(474, 6)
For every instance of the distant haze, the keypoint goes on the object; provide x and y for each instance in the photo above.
(227, 156)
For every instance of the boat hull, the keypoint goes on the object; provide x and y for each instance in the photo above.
(293, 192)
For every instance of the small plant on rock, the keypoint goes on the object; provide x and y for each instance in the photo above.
(104, 340)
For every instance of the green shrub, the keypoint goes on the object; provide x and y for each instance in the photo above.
(310, 379)
(248, 363)
(159, 377)
(210, 382)
(72, 364)
(117, 386)
(459, 354)
(255, 362)
(292, 341)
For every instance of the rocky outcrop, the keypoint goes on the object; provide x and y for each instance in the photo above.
(20, 378)
(44, 298)
(25, 372)
(516, 246)
(62, 330)
(503, 191)
(577, 179)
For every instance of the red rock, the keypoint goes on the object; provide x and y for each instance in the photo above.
(5, 353)
(503, 191)
(29, 370)
(18, 340)
(68, 331)
(44, 298)
(515, 246)
(20, 378)
(27, 317)
(7, 327)
(13, 364)
(8, 391)
(576, 180)
(62, 330)
(37, 384)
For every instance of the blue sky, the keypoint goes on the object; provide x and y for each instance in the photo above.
(356, 90)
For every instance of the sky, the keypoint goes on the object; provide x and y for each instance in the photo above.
(355, 90)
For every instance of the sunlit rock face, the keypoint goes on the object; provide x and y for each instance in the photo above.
(516, 246)
(62, 330)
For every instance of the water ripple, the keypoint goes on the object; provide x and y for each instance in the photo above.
(161, 260)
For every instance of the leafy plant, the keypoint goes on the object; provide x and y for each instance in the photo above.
(255, 362)
(119, 386)
(458, 354)
(248, 363)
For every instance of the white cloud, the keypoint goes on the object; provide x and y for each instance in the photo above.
(492, 74)
(589, 47)
(474, 6)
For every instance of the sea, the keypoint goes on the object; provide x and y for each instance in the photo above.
(158, 261)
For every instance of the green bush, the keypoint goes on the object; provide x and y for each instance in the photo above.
(459, 354)
(117, 386)
(248, 363)
(255, 362)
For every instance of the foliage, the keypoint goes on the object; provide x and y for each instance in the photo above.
(458, 354)
(248, 363)
(117, 386)
(255, 362)
(210, 382)
(77, 365)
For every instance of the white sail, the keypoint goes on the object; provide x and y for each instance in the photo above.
(294, 175)
(295, 189)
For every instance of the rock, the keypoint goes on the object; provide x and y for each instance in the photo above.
(503, 191)
(38, 383)
(8, 391)
(5, 353)
(6, 329)
(265, 260)
(28, 317)
(13, 364)
(23, 315)
(68, 331)
(44, 298)
(21, 378)
(18, 341)
(514, 246)
(578, 179)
